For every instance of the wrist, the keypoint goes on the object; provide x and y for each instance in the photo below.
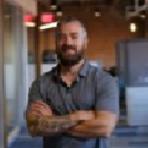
(73, 117)
(82, 115)
(76, 116)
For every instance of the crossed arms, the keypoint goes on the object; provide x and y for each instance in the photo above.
(42, 122)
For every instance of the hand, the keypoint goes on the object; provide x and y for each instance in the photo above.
(36, 110)
(40, 108)
(83, 115)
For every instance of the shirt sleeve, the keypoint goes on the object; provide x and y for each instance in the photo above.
(35, 92)
(107, 93)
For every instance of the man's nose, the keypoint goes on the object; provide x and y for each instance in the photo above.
(68, 40)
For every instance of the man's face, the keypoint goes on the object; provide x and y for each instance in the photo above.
(71, 43)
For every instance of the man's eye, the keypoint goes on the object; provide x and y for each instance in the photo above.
(62, 36)
(74, 36)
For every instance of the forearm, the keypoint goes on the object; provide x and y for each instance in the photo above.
(101, 126)
(45, 126)
(90, 131)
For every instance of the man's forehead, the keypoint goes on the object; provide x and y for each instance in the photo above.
(73, 26)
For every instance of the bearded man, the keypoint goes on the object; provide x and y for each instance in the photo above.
(75, 105)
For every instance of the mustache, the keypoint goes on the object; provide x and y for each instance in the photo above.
(66, 46)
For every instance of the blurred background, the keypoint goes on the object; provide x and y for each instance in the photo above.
(118, 42)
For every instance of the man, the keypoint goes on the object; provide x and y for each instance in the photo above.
(75, 105)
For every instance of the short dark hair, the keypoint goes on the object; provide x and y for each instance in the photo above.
(69, 19)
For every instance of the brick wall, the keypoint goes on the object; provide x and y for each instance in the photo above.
(103, 32)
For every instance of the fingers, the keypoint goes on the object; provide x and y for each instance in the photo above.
(40, 103)
(40, 108)
(41, 111)
(84, 115)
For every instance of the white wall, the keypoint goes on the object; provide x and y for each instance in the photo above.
(137, 105)
(31, 71)
(2, 121)
(27, 5)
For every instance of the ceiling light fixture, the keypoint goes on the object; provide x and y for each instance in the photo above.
(53, 5)
(30, 24)
(48, 26)
(133, 27)
(97, 12)
(59, 12)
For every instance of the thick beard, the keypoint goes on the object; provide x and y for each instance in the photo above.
(70, 61)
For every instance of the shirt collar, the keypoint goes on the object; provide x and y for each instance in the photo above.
(82, 73)
(55, 70)
(84, 69)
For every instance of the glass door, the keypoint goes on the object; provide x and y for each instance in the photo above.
(15, 68)
(2, 112)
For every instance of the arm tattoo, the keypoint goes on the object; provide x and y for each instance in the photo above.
(54, 125)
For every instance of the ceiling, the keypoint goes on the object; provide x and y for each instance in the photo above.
(119, 5)
(101, 2)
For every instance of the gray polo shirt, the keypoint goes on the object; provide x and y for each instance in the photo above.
(94, 89)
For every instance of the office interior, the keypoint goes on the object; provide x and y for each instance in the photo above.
(118, 42)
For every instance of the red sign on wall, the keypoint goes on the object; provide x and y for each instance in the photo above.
(47, 17)
(28, 18)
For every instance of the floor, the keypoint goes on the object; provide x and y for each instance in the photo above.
(130, 137)
(123, 137)
(23, 140)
